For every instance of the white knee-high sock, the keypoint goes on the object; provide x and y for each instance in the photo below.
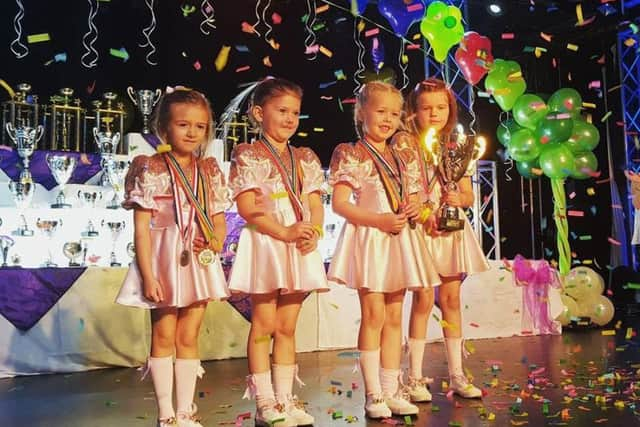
(282, 376)
(389, 380)
(186, 371)
(454, 355)
(162, 375)
(416, 356)
(264, 387)
(370, 367)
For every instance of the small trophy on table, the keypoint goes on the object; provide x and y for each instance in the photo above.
(5, 244)
(145, 100)
(72, 251)
(49, 228)
(61, 167)
(453, 156)
(116, 228)
(23, 230)
(22, 192)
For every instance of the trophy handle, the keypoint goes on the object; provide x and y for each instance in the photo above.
(157, 97)
(11, 130)
(131, 95)
(95, 134)
(116, 139)
(39, 133)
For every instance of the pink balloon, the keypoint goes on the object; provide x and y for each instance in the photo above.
(474, 56)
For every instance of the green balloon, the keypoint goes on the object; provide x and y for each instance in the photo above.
(586, 164)
(524, 146)
(505, 130)
(442, 27)
(585, 137)
(529, 110)
(505, 83)
(551, 129)
(526, 168)
(557, 161)
(566, 100)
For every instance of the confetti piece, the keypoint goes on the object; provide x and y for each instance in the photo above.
(629, 42)
(575, 213)
(247, 28)
(120, 53)
(265, 338)
(197, 65)
(608, 332)
(605, 117)
(276, 19)
(326, 52)
(38, 38)
(474, 325)
(573, 47)
(546, 37)
(267, 62)
(508, 36)
(613, 241)
(241, 69)
(371, 32)
(415, 7)
(322, 9)
(222, 58)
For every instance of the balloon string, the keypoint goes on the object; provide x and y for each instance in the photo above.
(509, 162)
(258, 19)
(147, 34)
(207, 10)
(310, 39)
(403, 66)
(89, 48)
(562, 227)
(17, 26)
(359, 73)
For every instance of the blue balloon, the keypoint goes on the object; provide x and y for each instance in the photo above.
(358, 6)
(401, 13)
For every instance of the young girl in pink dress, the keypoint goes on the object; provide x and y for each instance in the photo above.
(179, 201)
(278, 192)
(432, 105)
(380, 252)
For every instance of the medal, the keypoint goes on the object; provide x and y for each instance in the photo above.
(206, 257)
(184, 258)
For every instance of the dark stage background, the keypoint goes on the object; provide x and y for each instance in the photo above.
(180, 45)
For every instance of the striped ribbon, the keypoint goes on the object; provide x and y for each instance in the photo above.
(394, 184)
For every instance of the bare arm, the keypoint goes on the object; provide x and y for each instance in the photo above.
(462, 198)
(142, 237)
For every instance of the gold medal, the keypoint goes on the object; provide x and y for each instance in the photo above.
(206, 257)
(184, 258)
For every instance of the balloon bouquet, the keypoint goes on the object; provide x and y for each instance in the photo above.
(583, 297)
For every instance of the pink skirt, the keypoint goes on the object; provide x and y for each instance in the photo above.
(366, 257)
(181, 285)
(457, 252)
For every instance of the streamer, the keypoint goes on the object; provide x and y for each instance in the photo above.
(310, 39)
(146, 32)
(266, 21)
(92, 32)
(209, 21)
(359, 73)
(403, 66)
(17, 26)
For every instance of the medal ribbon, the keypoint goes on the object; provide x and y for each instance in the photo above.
(394, 184)
(293, 182)
(177, 175)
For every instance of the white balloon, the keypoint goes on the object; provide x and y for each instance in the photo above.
(582, 282)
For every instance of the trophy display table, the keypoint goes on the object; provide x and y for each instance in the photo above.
(84, 329)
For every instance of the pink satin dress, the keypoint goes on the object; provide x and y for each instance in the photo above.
(264, 264)
(148, 186)
(453, 252)
(366, 257)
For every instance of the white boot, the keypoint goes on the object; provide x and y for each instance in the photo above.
(393, 395)
(418, 389)
(268, 410)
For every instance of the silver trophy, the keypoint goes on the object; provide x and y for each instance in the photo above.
(72, 250)
(61, 167)
(116, 228)
(22, 192)
(90, 231)
(131, 250)
(5, 244)
(25, 138)
(89, 198)
(48, 228)
(145, 100)
(455, 155)
(116, 172)
(107, 142)
(23, 230)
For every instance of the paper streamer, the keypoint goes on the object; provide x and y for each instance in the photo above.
(562, 226)
(146, 32)
(403, 65)
(258, 19)
(90, 51)
(310, 39)
(267, 33)
(359, 73)
(209, 21)
(19, 49)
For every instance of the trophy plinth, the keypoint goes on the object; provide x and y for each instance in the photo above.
(61, 168)
(72, 250)
(23, 230)
(90, 230)
(6, 243)
(145, 100)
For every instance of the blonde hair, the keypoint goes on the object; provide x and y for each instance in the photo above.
(162, 113)
(364, 95)
(429, 85)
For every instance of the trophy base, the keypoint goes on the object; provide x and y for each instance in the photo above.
(74, 264)
(4, 265)
(60, 206)
(116, 264)
(450, 224)
(113, 207)
(49, 264)
(22, 232)
(89, 234)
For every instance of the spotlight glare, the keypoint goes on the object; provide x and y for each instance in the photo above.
(495, 9)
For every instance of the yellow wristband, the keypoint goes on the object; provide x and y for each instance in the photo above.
(318, 229)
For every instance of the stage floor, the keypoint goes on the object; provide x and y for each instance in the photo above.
(116, 397)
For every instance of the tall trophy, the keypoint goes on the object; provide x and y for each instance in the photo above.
(5, 244)
(22, 192)
(25, 138)
(107, 142)
(454, 156)
(116, 228)
(48, 228)
(145, 100)
(116, 172)
(72, 250)
(61, 167)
